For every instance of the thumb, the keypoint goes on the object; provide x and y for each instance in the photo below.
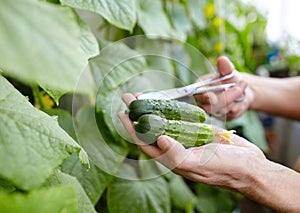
(166, 143)
(174, 152)
(225, 66)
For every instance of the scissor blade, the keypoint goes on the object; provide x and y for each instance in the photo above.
(168, 94)
(216, 88)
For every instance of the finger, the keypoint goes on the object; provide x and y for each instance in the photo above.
(174, 153)
(150, 150)
(129, 127)
(128, 98)
(127, 124)
(136, 95)
(224, 65)
(237, 110)
(230, 95)
(206, 98)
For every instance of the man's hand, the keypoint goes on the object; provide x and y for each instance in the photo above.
(231, 103)
(215, 163)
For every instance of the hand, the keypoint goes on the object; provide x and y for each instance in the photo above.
(231, 103)
(215, 163)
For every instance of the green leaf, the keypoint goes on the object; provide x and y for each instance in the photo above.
(196, 10)
(107, 108)
(89, 43)
(121, 13)
(157, 52)
(31, 143)
(65, 120)
(254, 132)
(153, 20)
(135, 196)
(93, 180)
(180, 20)
(6, 186)
(199, 64)
(181, 195)
(147, 167)
(54, 94)
(214, 199)
(84, 204)
(52, 200)
(182, 64)
(116, 64)
(105, 152)
(42, 43)
(114, 67)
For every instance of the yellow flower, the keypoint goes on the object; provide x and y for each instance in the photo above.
(218, 47)
(209, 10)
(47, 101)
(217, 22)
(226, 136)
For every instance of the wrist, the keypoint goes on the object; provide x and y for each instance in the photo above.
(251, 90)
(272, 185)
(248, 176)
(255, 177)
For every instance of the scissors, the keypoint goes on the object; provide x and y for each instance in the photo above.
(192, 89)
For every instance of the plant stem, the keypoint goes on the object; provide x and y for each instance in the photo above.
(36, 96)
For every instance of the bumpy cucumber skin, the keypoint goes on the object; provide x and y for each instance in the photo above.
(149, 127)
(169, 109)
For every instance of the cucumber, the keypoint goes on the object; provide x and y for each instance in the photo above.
(169, 109)
(150, 126)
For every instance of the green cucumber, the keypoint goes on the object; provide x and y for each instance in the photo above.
(150, 126)
(169, 109)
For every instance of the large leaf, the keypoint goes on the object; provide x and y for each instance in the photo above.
(89, 43)
(53, 93)
(179, 18)
(53, 200)
(153, 20)
(215, 199)
(6, 186)
(84, 204)
(42, 42)
(196, 10)
(31, 143)
(254, 132)
(105, 152)
(181, 195)
(65, 120)
(116, 64)
(93, 180)
(114, 67)
(157, 52)
(121, 13)
(135, 196)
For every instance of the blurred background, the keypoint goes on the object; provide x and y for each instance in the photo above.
(282, 18)
(281, 34)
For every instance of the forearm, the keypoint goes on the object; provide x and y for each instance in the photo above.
(275, 96)
(273, 185)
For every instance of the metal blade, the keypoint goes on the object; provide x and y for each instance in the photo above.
(216, 88)
(168, 94)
